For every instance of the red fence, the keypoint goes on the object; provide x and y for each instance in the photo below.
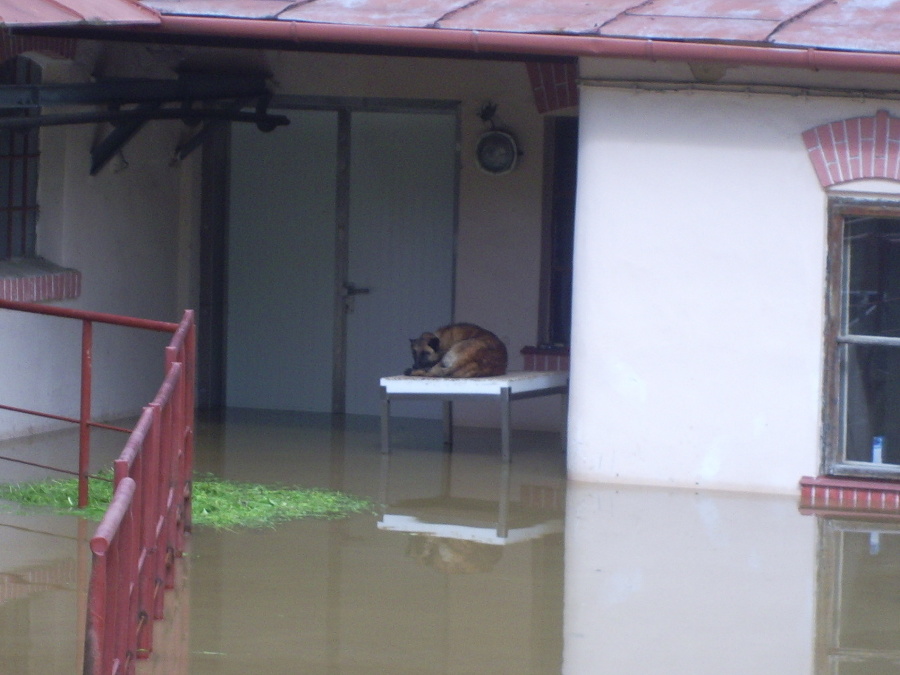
(84, 419)
(142, 533)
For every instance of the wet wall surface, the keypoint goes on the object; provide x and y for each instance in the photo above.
(464, 566)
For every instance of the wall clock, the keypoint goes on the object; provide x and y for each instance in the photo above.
(497, 152)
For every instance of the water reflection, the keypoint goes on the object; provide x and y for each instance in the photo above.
(419, 586)
(859, 598)
(468, 566)
(674, 581)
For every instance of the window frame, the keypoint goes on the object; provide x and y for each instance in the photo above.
(560, 173)
(838, 341)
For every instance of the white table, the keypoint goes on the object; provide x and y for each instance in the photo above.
(507, 388)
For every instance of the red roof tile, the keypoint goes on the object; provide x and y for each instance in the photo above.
(402, 13)
(854, 25)
(62, 12)
(842, 34)
(538, 16)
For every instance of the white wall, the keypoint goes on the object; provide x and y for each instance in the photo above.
(699, 288)
(124, 230)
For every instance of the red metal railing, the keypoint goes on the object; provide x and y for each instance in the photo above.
(142, 533)
(84, 420)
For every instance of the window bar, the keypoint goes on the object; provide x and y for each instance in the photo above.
(10, 191)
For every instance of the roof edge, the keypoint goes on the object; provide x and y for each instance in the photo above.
(474, 41)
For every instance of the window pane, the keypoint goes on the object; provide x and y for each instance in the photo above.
(565, 157)
(872, 403)
(870, 374)
(872, 281)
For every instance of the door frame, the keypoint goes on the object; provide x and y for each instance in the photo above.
(214, 246)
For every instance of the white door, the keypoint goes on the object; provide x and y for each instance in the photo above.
(281, 264)
(401, 236)
(303, 224)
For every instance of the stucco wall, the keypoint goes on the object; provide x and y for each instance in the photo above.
(699, 288)
(122, 229)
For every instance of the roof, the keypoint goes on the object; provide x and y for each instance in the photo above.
(852, 25)
(859, 35)
(68, 12)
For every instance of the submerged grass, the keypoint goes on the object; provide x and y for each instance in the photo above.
(217, 503)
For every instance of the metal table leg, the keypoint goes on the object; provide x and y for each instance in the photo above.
(503, 513)
(385, 420)
(504, 422)
(448, 424)
(564, 432)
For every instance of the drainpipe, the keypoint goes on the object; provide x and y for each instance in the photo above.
(494, 42)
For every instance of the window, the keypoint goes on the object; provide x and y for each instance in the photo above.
(24, 275)
(561, 152)
(19, 156)
(862, 417)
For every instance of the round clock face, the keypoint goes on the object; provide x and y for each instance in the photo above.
(497, 152)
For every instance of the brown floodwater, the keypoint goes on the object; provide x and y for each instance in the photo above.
(467, 566)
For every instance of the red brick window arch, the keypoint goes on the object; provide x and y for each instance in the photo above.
(854, 149)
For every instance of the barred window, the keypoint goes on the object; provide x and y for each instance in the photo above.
(19, 156)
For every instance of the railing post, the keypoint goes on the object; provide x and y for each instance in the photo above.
(84, 436)
(95, 630)
(108, 642)
(190, 374)
(161, 495)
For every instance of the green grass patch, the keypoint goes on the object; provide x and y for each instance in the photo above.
(217, 503)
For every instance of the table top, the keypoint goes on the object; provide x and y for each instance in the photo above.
(518, 382)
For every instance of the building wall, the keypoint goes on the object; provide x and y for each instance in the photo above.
(699, 286)
(700, 250)
(121, 230)
(133, 230)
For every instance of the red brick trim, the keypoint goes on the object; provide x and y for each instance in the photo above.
(554, 85)
(857, 148)
(538, 358)
(850, 494)
(38, 281)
